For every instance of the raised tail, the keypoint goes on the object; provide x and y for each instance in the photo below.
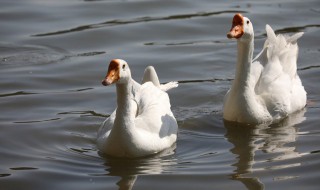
(169, 86)
(293, 39)
(150, 74)
(283, 48)
(280, 41)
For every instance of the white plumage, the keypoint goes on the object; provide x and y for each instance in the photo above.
(268, 87)
(143, 122)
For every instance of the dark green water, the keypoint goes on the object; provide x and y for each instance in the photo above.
(53, 55)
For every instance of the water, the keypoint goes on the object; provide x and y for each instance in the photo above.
(53, 55)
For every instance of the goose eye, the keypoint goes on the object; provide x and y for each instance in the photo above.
(123, 66)
(248, 22)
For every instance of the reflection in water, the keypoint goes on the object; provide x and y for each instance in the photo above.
(129, 169)
(275, 140)
(127, 182)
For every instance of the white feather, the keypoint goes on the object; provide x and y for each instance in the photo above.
(144, 125)
(271, 88)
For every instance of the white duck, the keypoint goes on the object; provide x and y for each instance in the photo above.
(142, 123)
(267, 88)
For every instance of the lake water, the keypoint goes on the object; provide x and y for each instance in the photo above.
(54, 54)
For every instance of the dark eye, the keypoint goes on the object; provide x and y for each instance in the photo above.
(123, 66)
(248, 22)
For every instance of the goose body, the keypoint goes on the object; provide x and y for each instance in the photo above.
(143, 123)
(267, 88)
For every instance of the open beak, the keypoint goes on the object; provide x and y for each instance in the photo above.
(236, 30)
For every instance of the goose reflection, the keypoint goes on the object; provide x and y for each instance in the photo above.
(275, 142)
(129, 169)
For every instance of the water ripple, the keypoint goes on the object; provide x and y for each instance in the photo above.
(23, 168)
(203, 42)
(296, 29)
(25, 93)
(137, 20)
(19, 93)
(309, 67)
(203, 80)
(5, 175)
(38, 121)
(84, 113)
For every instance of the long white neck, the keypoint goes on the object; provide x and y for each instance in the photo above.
(242, 103)
(125, 106)
(244, 60)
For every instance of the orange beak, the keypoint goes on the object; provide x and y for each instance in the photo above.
(236, 30)
(113, 74)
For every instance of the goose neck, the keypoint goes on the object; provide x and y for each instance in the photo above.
(244, 60)
(124, 95)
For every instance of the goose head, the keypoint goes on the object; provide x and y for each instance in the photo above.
(118, 72)
(241, 28)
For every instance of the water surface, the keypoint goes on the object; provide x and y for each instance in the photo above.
(53, 55)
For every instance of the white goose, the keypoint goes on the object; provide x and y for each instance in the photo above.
(142, 123)
(267, 88)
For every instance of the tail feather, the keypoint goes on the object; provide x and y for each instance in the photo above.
(284, 49)
(272, 38)
(169, 86)
(150, 74)
(293, 39)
